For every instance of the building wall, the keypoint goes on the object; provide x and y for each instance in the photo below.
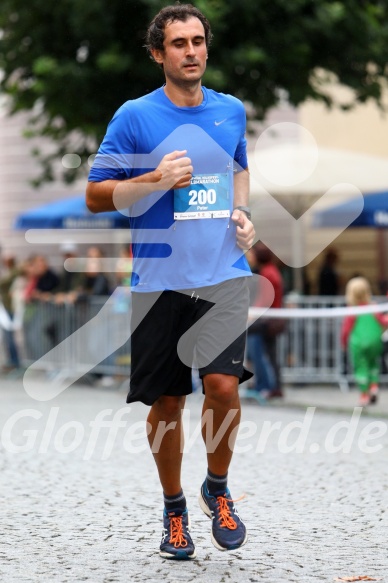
(17, 168)
(363, 130)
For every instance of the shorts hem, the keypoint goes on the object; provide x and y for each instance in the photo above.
(150, 400)
(243, 375)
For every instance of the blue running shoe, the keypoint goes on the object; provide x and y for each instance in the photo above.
(228, 530)
(176, 540)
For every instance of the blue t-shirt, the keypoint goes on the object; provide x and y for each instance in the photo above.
(168, 253)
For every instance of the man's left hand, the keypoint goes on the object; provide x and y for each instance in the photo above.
(245, 231)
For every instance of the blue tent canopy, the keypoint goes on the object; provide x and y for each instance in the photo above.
(374, 213)
(69, 213)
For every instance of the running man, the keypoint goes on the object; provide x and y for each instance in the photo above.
(177, 159)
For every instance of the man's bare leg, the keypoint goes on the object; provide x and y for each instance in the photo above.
(222, 402)
(166, 441)
(222, 410)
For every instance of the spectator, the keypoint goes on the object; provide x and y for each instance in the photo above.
(328, 278)
(264, 339)
(362, 335)
(94, 281)
(264, 377)
(95, 286)
(39, 317)
(124, 267)
(69, 281)
(65, 313)
(250, 256)
(123, 280)
(10, 274)
(46, 280)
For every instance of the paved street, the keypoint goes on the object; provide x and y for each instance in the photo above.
(81, 502)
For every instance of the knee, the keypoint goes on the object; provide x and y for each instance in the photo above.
(169, 408)
(221, 388)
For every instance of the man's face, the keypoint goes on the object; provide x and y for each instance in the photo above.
(185, 53)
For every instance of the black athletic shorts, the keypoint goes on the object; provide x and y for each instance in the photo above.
(174, 331)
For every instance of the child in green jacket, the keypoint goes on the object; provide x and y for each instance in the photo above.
(361, 334)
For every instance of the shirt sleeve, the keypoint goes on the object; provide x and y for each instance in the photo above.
(114, 159)
(240, 156)
(347, 326)
(382, 319)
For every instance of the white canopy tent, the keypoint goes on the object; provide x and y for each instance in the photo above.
(291, 181)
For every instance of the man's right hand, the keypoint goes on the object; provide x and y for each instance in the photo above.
(175, 170)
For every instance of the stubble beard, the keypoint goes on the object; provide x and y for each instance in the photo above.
(186, 83)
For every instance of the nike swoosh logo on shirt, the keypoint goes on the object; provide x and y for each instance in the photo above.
(236, 361)
(218, 123)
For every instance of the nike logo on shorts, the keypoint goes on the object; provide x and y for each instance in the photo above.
(236, 361)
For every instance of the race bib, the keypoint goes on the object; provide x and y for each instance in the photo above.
(207, 197)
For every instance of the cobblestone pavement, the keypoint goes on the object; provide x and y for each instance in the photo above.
(81, 503)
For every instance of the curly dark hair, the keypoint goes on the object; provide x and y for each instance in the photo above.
(168, 14)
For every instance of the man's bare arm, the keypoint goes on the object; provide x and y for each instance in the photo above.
(241, 188)
(245, 229)
(174, 171)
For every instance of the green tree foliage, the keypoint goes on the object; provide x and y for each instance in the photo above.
(72, 63)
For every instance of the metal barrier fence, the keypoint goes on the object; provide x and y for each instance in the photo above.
(93, 337)
(310, 351)
(71, 340)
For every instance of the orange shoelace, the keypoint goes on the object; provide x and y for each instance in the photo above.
(177, 537)
(226, 520)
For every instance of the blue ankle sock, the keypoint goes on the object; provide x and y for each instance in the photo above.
(216, 484)
(175, 502)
